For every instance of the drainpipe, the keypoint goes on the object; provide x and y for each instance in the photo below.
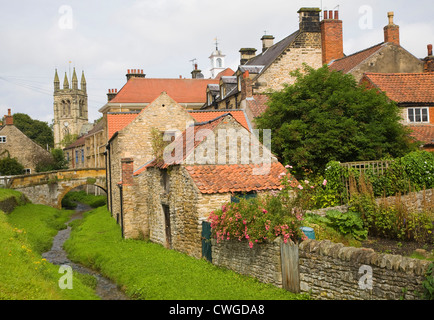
(109, 172)
(122, 211)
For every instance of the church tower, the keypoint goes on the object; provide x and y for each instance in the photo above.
(217, 61)
(70, 107)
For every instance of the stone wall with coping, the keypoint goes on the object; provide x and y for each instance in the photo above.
(332, 271)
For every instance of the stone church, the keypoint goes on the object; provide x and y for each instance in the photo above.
(70, 109)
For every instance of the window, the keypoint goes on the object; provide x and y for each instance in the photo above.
(76, 156)
(82, 155)
(27, 171)
(2, 139)
(418, 115)
(235, 198)
(219, 62)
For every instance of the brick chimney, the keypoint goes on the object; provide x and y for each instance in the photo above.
(247, 54)
(391, 31)
(111, 94)
(246, 86)
(309, 19)
(429, 61)
(331, 37)
(127, 171)
(135, 73)
(9, 119)
(267, 41)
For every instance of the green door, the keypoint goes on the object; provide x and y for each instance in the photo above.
(206, 241)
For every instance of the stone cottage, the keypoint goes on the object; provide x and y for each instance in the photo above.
(414, 94)
(167, 199)
(134, 140)
(15, 144)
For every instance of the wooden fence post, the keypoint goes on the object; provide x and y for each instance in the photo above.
(290, 270)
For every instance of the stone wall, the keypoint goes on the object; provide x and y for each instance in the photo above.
(332, 271)
(261, 262)
(305, 49)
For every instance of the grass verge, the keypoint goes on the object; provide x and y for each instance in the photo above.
(148, 271)
(25, 234)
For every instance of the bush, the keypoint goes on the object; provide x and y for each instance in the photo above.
(264, 218)
(347, 223)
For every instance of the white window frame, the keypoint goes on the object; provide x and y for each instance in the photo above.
(414, 110)
(3, 139)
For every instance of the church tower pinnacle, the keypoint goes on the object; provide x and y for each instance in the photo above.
(70, 109)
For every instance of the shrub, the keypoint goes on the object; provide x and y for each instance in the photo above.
(264, 218)
(347, 223)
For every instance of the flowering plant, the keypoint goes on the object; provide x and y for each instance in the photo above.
(265, 217)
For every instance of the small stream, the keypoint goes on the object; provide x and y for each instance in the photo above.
(106, 289)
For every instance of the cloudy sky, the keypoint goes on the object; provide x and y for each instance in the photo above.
(105, 38)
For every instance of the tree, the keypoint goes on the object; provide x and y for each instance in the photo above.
(325, 115)
(39, 131)
(10, 167)
(57, 161)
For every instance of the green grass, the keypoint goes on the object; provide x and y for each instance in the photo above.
(149, 271)
(24, 274)
(7, 193)
(81, 196)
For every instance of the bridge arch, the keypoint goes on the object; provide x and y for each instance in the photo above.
(49, 188)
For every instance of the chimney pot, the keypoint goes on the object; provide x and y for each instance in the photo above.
(330, 14)
(430, 50)
(336, 15)
(325, 15)
(9, 112)
(390, 15)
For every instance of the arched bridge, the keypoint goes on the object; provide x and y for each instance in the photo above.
(49, 188)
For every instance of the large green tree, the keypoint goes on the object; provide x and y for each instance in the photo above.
(325, 115)
(39, 131)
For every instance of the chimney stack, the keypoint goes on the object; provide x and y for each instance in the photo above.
(309, 19)
(111, 94)
(9, 119)
(135, 73)
(247, 54)
(331, 37)
(429, 61)
(196, 73)
(267, 41)
(391, 31)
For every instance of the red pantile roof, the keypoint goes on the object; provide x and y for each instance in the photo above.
(423, 133)
(205, 115)
(235, 177)
(118, 121)
(258, 104)
(404, 87)
(144, 90)
(225, 73)
(347, 63)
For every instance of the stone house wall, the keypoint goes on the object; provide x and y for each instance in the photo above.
(134, 141)
(19, 146)
(390, 59)
(305, 49)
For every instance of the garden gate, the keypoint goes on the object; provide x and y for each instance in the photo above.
(206, 241)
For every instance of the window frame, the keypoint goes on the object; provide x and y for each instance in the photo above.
(418, 112)
(3, 139)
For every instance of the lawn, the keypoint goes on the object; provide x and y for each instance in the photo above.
(148, 271)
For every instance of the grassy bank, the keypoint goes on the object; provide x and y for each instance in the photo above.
(149, 271)
(25, 234)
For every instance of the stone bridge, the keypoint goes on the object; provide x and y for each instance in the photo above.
(49, 188)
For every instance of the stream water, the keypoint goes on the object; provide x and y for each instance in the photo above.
(106, 289)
